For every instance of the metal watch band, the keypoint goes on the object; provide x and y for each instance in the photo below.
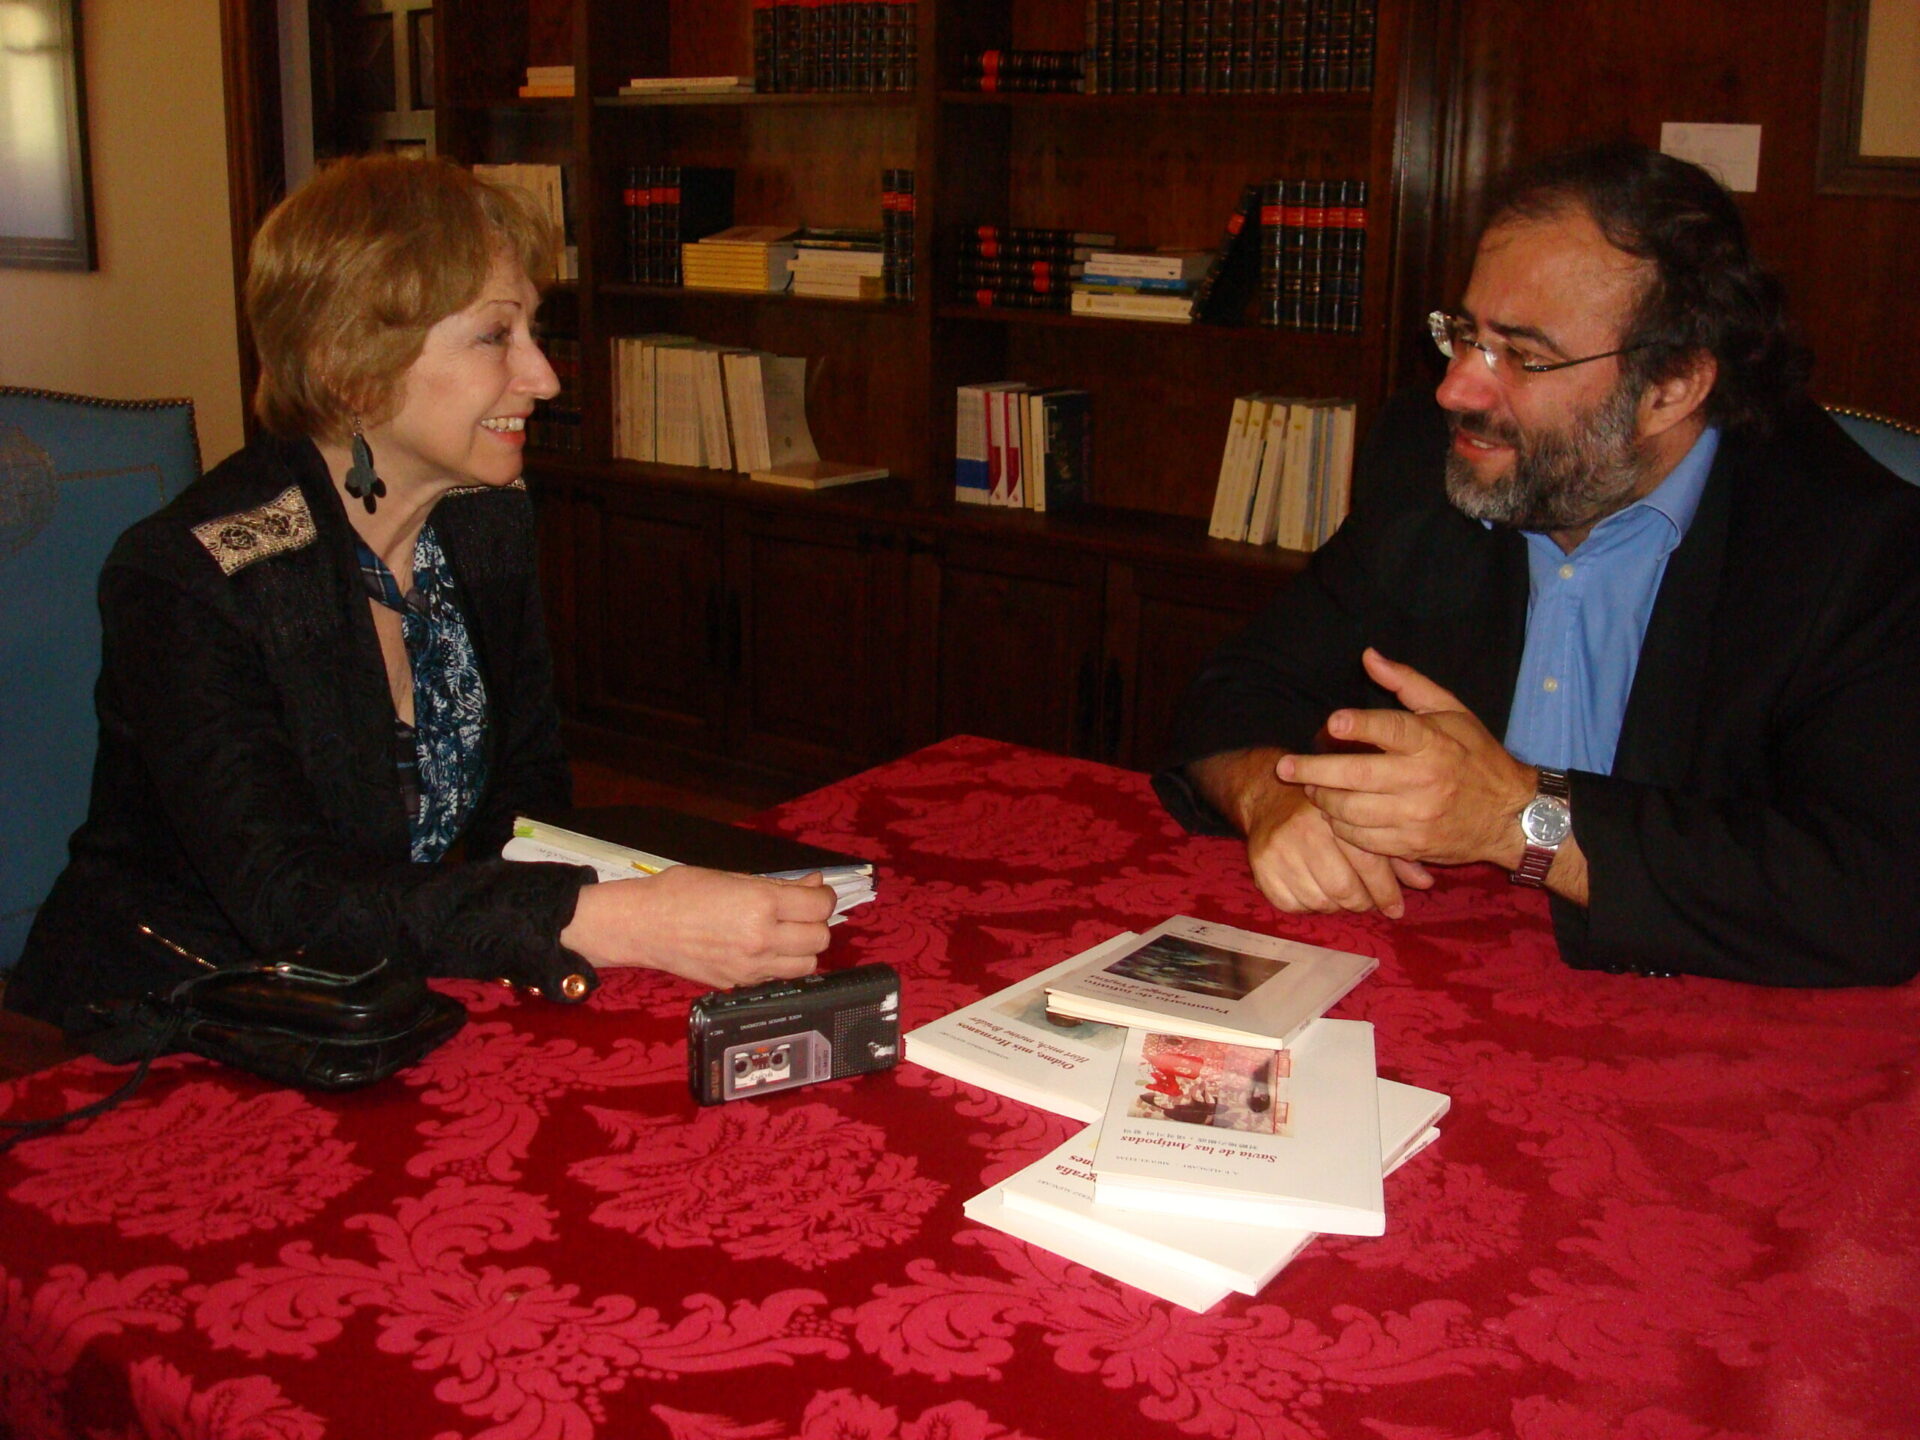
(1537, 860)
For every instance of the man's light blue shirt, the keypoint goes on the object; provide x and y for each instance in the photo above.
(1587, 615)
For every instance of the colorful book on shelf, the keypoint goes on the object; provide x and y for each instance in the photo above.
(622, 841)
(1213, 981)
(972, 458)
(817, 474)
(1193, 1263)
(1285, 1139)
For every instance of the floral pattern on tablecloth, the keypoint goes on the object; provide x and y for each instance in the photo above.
(1658, 1209)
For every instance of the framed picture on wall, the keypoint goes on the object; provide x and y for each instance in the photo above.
(1869, 103)
(46, 218)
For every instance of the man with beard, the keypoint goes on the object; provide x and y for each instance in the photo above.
(1618, 609)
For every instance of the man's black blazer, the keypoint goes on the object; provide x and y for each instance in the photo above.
(1762, 821)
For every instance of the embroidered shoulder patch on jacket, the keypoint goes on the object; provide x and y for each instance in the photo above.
(280, 525)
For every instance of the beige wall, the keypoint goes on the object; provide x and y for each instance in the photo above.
(156, 320)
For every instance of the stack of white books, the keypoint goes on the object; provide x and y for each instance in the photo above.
(842, 273)
(678, 400)
(1230, 1123)
(1140, 284)
(751, 259)
(1286, 472)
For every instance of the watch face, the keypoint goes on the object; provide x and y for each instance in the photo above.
(1547, 821)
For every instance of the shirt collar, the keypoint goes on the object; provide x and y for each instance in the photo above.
(1678, 496)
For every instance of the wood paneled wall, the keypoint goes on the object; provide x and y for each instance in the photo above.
(1519, 78)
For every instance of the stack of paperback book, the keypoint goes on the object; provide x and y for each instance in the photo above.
(750, 258)
(1140, 284)
(548, 82)
(621, 842)
(1229, 1122)
(1286, 473)
(840, 264)
(1014, 445)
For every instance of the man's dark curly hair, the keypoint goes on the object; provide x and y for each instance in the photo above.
(1708, 292)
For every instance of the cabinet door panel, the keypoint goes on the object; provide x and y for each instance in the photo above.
(1161, 626)
(817, 639)
(648, 608)
(1008, 645)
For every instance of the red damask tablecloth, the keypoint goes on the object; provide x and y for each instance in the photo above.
(1659, 1208)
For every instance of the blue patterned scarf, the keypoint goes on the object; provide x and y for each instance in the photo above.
(441, 757)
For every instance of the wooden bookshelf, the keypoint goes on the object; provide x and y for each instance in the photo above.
(674, 594)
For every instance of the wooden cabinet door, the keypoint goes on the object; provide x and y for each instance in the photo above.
(1006, 643)
(649, 612)
(815, 640)
(1161, 626)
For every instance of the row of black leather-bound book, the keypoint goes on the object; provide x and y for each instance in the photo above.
(1313, 249)
(1219, 47)
(834, 45)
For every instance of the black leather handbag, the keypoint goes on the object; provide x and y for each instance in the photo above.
(307, 1019)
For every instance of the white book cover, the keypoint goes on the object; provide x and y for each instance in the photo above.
(1125, 1260)
(1287, 1139)
(736, 371)
(1009, 1044)
(1058, 1190)
(1340, 470)
(1196, 977)
(1015, 404)
(715, 432)
(1219, 525)
(783, 404)
(1247, 465)
(1291, 527)
(1034, 447)
(1262, 519)
(970, 485)
(677, 404)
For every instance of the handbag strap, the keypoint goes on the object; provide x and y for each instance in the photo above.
(27, 1129)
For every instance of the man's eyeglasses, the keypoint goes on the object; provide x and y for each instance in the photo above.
(1454, 333)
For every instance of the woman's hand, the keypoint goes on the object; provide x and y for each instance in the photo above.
(714, 928)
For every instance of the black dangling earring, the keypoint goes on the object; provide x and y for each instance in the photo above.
(362, 484)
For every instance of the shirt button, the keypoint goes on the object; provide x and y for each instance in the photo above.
(1550, 685)
(1566, 572)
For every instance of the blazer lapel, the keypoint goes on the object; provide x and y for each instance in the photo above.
(1658, 732)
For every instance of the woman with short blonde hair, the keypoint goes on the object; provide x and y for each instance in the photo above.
(325, 688)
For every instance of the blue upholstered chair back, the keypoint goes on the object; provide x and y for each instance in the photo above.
(74, 473)
(1894, 444)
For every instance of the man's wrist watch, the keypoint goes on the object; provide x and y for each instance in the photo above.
(1546, 823)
